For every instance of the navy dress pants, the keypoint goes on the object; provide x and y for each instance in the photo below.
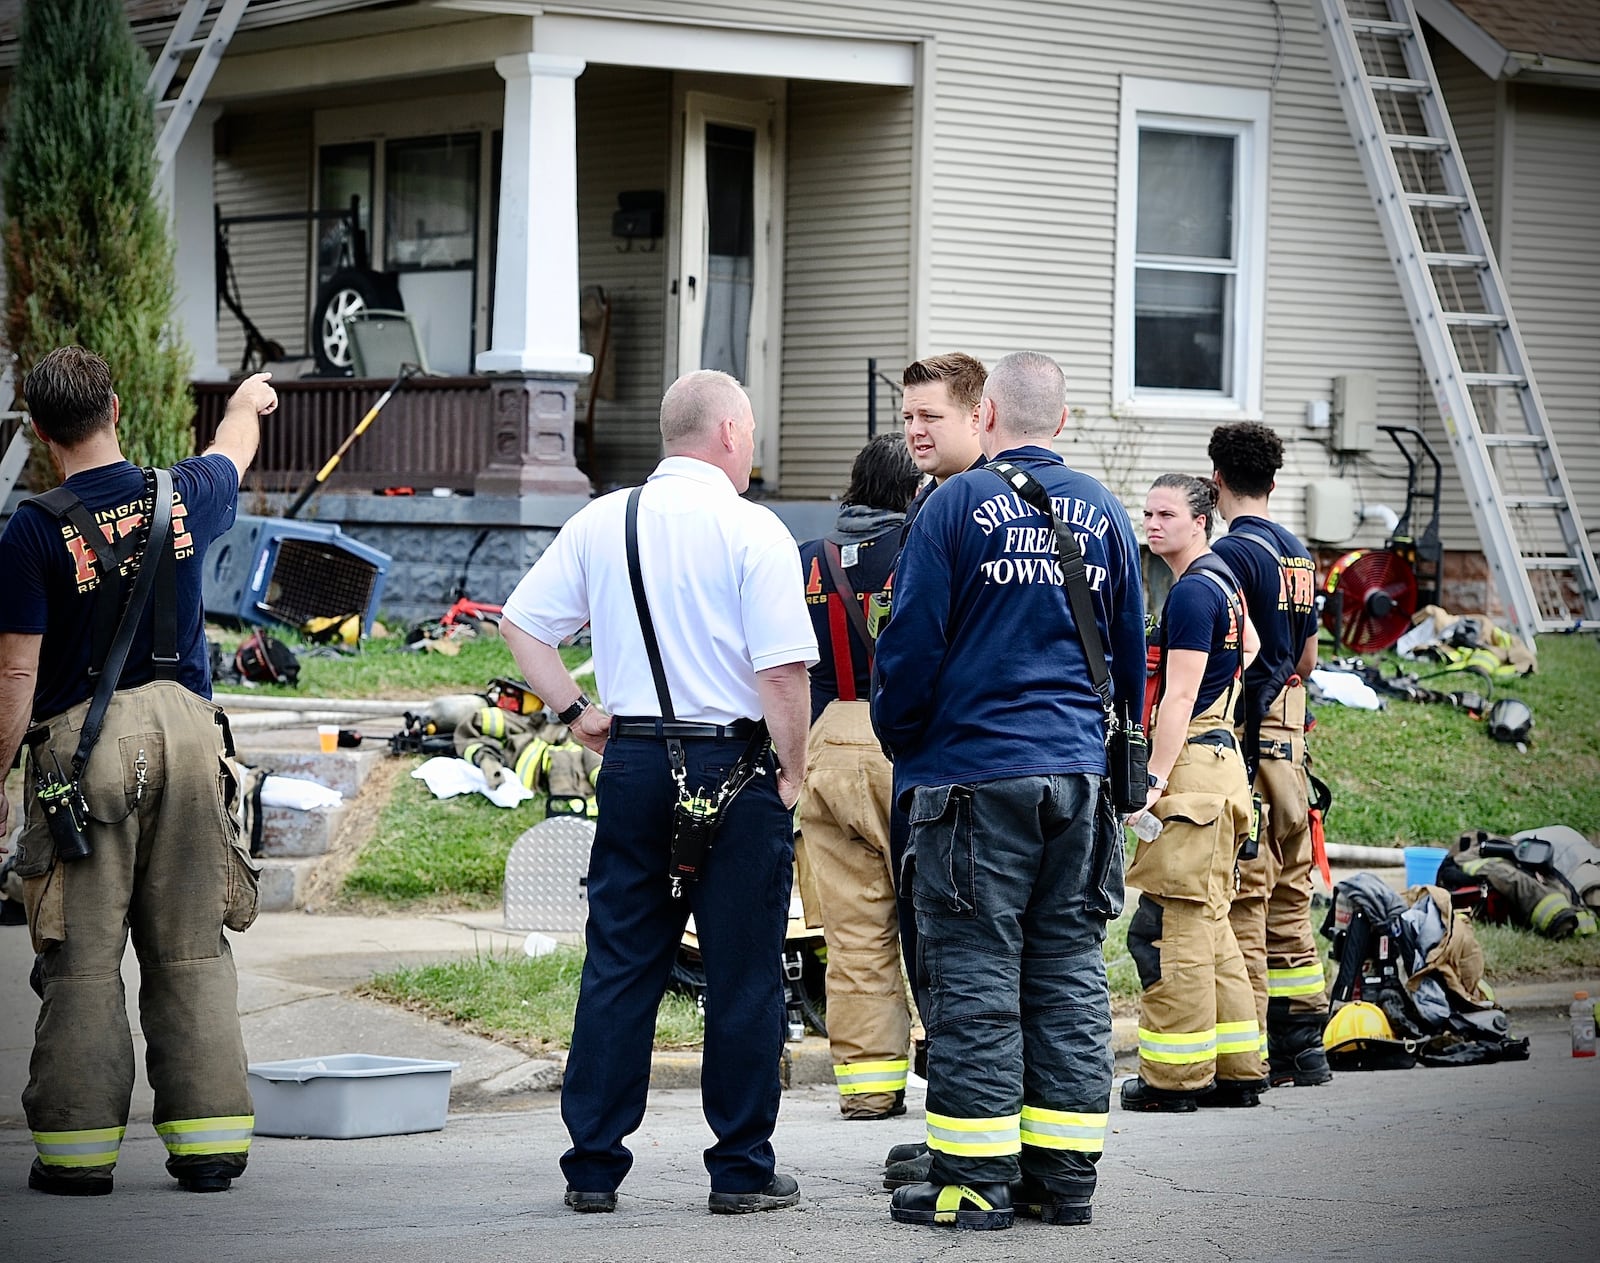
(741, 909)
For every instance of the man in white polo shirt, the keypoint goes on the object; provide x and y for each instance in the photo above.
(721, 581)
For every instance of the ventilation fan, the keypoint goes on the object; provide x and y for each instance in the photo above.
(1371, 598)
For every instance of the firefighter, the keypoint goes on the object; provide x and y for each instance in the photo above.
(1199, 1037)
(160, 856)
(844, 803)
(1272, 910)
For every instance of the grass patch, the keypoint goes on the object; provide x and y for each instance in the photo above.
(383, 669)
(1423, 774)
(1521, 954)
(429, 850)
(1120, 970)
(525, 1002)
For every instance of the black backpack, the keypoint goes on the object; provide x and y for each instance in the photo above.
(267, 660)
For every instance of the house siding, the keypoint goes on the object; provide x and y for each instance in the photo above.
(1555, 271)
(847, 273)
(624, 142)
(263, 165)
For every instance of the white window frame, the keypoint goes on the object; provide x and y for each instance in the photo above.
(1243, 113)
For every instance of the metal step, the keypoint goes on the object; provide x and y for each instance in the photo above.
(1532, 502)
(1397, 140)
(1443, 259)
(1388, 83)
(1372, 26)
(1513, 440)
(1443, 201)
(1494, 379)
(1550, 563)
(1474, 319)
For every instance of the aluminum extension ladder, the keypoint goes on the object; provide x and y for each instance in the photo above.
(1499, 432)
(174, 111)
(15, 457)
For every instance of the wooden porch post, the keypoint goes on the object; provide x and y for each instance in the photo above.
(534, 351)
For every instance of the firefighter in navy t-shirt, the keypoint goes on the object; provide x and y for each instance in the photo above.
(1199, 1040)
(1272, 911)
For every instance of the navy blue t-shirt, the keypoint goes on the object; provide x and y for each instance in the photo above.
(869, 567)
(50, 581)
(1199, 616)
(1280, 592)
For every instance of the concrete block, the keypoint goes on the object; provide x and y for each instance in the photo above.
(289, 832)
(283, 883)
(343, 770)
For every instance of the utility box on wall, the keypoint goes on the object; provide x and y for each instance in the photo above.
(1330, 511)
(1355, 413)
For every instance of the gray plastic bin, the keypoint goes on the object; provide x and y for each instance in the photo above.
(349, 1095)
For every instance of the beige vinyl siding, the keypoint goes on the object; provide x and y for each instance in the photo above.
(846, 273)
(1554, 275)
(624, 119)
(1022, 211)
(263, 165)
(1471, 97)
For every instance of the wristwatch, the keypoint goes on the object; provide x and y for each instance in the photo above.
(1156, 782)
(570, 715)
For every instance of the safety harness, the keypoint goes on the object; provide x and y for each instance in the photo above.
(1216, 570)
(845, 614)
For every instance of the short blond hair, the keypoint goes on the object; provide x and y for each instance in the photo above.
(696, 402)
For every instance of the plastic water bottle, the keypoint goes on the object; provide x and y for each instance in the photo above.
(1582, 1025)
(1146, 825)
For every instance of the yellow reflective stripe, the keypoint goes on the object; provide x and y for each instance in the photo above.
(1237, 1037)
(950, 1198)
(1547, 909)
(1062, 1129)
(187, 1136)
(975, 1137)
(1183, 1048)
(859, 1077)
(529, 761)
(91, 1147)
(1261, 1044)
(1301, 980)
(1472, 867)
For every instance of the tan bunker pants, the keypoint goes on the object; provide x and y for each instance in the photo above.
(844, 816)
(168, 866)
(1197, 1019)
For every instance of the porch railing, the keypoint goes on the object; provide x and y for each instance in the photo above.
(435, 432)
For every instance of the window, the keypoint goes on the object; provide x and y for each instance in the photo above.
(1191, 249)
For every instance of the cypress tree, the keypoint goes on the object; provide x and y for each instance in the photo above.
(87, 255)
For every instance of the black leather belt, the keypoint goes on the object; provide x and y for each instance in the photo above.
(682, 730)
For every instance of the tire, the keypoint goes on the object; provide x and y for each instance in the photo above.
(345, 293)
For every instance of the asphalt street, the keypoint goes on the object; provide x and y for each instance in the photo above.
(1490, 1163)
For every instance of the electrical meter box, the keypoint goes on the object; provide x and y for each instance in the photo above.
(1355, 413)
(1330, 511)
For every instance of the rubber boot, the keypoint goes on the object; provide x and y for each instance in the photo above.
(1232, 1094)
(1294, 1047)
(912, 1170)
(1047, 1206)
(1140, 1096)
(979, 1207)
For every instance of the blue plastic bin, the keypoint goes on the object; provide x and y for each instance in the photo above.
(1422, 864)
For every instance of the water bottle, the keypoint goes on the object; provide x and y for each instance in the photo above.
(1146, 825)
(1582, 1025)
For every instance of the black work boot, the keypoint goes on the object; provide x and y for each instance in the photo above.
(901, 1152)
(43, 1180)
(1028, 1197)
(896, 1107)
(780, 1194)
(980, 1207)
(912, 1170)
(1294, 1047)
(1232, 1094)
(1139, 1095)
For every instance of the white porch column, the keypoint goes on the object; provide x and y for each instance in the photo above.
(190, 194)
(536, 270)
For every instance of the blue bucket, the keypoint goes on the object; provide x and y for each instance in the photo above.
(1422, 864)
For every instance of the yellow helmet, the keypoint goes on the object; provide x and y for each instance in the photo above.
(1356, 1021)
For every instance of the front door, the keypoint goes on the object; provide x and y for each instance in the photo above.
(725, 261)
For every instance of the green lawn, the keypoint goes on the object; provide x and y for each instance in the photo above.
(520, 1001)
(1423, 774)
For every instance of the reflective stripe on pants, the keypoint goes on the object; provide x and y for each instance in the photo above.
(1300, 980)
(191, 1137)
(91, 1147)
(1063, 1129)
(871, 1076)
(1178, 1048)
(975, 1137)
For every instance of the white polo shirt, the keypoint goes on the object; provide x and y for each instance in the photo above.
(723, 579)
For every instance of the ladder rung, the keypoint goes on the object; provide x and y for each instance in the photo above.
(1375, 27)
(1549, 563)
(1435, 144)
(1513, 440)
(1493, 379)
(1474, 319)
(1535, 502)
(1387, 83)
(1569, 624)
(1440, 260)
(1444, 201)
